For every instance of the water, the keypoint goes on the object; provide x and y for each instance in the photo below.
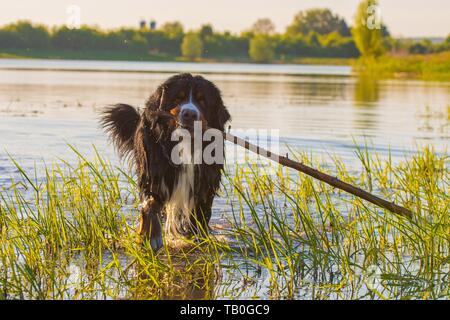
(319, 109)
(42, 109)
(174, 67)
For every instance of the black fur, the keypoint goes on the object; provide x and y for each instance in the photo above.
(146, 139)
(120, 122)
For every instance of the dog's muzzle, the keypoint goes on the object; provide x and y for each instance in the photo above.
(189, 113)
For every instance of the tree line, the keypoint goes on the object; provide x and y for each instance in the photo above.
(172, 40)
(312, 33)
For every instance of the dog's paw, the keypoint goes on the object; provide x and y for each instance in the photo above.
(156, 243)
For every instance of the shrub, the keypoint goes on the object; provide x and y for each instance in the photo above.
(192, 46)
(261, 49)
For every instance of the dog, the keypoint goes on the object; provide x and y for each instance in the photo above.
(182, 194)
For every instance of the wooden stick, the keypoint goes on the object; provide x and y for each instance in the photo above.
(332, 181)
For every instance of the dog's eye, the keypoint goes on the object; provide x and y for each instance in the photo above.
(200, 98)
(181, 95)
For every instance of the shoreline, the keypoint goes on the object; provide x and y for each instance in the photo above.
(431, 67)
(112, 56)
(175, 67)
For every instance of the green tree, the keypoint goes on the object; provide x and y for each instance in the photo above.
(418, 48)
(261, 49)
(173, 29)
(206, 31)
(160, 43)
(367, 31)
(445, 45)
(23, 34)
(220, 45)
(167, 41)
(263, 26)
(192, 46)
(321, 21)
(75, 39)
(139, 44)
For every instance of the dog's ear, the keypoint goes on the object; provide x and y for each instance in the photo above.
(155, 114)
(159, 99)
(215, 103)
(166, 94)
(120, 122)
(223, 117)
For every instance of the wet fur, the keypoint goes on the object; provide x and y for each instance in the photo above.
(184, 192)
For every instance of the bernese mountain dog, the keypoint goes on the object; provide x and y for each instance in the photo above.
(180, 194)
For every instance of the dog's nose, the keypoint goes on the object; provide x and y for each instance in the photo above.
(189, 115)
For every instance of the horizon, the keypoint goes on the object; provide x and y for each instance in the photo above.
(54, 12)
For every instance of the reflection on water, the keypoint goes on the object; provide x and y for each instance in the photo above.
(174, 67)
(367, 90)
(366, 97)
(199, 285)
(42, 111)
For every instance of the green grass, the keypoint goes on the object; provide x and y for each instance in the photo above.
(127, 56)
(424, 67)
(5, 55)
(322, 61)
(70, 235)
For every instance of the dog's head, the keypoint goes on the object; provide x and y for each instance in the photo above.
(186, 97)
(190, 98)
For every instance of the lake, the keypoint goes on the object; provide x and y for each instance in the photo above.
(322, 110)
(45, 104)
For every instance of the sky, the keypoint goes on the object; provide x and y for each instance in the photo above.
(404, 18)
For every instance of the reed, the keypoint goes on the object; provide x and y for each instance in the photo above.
(69, 234)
